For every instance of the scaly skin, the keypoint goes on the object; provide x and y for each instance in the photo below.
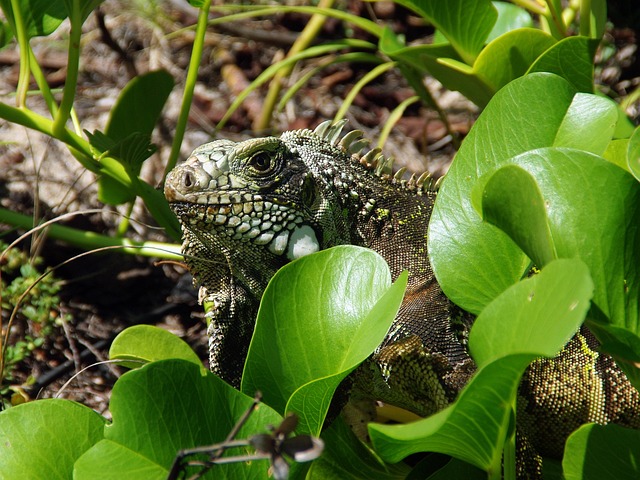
(248, 208)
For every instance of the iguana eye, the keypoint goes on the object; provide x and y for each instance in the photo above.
(261, 162)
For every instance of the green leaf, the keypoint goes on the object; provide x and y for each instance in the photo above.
(40, 17)
(573, 215)
(456, 469)
(474, 262)
(537, 316)
(139, 105)
(594, 452)
(633, 154)
(167, 406)
(549, 214)
(616, 153)
(525, 219)
(43, 439)
(510, 56)
(510, 17)
(578, 71)
(146, 343)
(346, 457)
(131, 152)
(339, 301)
(465, 23)
(597, 18)
(129, 128)
(106, 454)
(588, 125)
(443, 63)
(503, 341)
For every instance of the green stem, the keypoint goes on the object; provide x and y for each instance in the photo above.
(43, 86)
(630, 99)
(190, 83)
(81, 150)
(307, 36)
(585, 18)
(530, 5)
(124, 223)
(368, 77)
(556, 18)
(25, 53)
(90, 240)
(73, 62)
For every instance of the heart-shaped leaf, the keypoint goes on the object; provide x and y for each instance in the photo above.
(472, 261)
(503, 341)
(466, 32)
(142, 344)
(579, 71)
(167, 406)
(339, 301)
(551, 215)
(43, 439)
(475, 262)
(594, 452)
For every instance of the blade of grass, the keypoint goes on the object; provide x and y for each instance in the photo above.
(374, 73)
(394, 116)
(359, 57)
(310, 32)
(273, 69)
(189, 86)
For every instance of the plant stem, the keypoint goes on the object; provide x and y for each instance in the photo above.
(81, 150)
(585, 18)
(556, 18)
(509, 456)
(189, 86)
(307, 36)
(25, 54)
(530, 5)
(90, 240)
(41, 81)
(73, 61)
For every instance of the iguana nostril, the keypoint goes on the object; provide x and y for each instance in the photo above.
(188, 180)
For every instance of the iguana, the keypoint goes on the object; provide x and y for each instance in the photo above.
(248, 208)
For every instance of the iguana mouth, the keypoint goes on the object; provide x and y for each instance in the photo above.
(254, 219)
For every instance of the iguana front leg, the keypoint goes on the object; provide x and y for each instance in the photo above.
(230, 309)
(229, 336)
(404, 374)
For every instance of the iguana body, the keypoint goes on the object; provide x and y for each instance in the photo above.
(248, 208)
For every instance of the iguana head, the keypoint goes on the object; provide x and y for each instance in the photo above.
(263, 192)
